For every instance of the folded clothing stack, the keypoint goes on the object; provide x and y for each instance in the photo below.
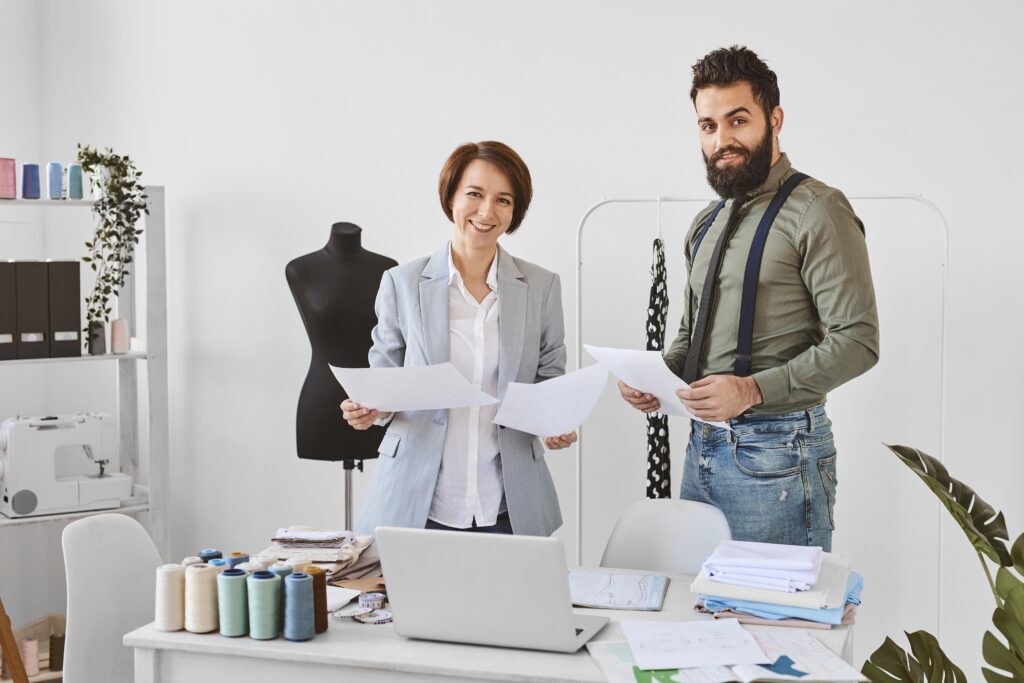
(829, 600)
(305, 537)
(771, 566)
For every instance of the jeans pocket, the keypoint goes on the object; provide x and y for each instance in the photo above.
(770, 458)
(829, 481)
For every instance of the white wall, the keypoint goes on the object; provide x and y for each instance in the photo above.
(269, 121)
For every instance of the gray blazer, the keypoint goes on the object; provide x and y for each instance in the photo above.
(412, 330)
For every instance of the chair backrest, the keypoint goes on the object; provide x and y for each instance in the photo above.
(665, 535)
(110, 562)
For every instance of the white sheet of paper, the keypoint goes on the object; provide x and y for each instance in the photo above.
(555, 406)
(809, 655)
(608, 590)
(646, 371)
(679, 645)
(616, 662)
(338, 597)
(424, 387)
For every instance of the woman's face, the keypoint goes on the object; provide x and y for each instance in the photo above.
(481, 206)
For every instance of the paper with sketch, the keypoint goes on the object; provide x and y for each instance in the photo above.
(608, 590)
(678, 645)
(646, 371)
(555, 406)
(616, 662)
(424, 387)
(797, 656)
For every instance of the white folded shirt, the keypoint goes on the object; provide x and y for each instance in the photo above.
(786, 585)
(830, 591)
(776, 556)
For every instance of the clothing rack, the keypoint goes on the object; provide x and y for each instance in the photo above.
(659, 200)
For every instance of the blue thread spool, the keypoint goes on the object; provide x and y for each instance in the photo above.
(74, 181)
(209, 554)
(236, 558)
(30, 181)
(264, 589)
(54, 180)
(233, 602)
(298, 606)
(282, 569)
(219, 563)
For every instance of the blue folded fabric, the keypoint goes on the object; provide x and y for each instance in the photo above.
(766, 610)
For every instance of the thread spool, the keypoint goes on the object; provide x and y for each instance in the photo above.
(201, 598)
(319, 598)
(219, 562)
(298, 606)
(30, 656)
(209, 554)
(56, 652)
(74, 181)
(30, 181)
(233, 602)
(191, 560)
(54, 180)
(282, 569)
(249, 567)
(264, 591)
(170, 597)
(236, 558)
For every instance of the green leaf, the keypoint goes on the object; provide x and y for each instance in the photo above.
(891, 664)
(1006, 581)
(1009, 620)
(985, 529)
(1017, 554)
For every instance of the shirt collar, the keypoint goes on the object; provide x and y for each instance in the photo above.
(776, 176)
(454, 276)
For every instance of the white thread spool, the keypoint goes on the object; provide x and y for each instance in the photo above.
(30, 656)
(170, 597)
(191, 560)
(250, 567)
(201, 614)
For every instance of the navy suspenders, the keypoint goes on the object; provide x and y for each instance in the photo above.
(745, 337)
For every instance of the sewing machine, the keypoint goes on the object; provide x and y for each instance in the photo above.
(64, 463)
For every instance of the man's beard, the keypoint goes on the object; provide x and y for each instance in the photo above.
(733, 181)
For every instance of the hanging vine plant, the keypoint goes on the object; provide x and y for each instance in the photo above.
(121, 203)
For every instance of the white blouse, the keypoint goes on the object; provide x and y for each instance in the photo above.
(469, 485)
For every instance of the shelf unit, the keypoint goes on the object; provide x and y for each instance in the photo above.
(154, 497)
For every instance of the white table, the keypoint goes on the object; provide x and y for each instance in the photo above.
(369, 653)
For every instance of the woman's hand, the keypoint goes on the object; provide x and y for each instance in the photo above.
(557, 443)
(357, 416)
(645, 403)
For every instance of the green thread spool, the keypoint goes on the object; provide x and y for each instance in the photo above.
(264, 590)
(233, 602)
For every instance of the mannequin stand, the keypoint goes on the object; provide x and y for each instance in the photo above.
(349, 466)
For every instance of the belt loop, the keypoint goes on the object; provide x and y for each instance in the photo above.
(810, 420)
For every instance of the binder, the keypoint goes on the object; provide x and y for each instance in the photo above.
(8, 312)
(32, 285)
(65, 309)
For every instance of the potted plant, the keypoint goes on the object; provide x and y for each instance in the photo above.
(120, 203)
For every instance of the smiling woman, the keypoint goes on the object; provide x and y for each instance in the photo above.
(498, 319)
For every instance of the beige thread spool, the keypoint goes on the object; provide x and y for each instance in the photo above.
(201, 614)
(30, 656)
(119, 336)
(170, 597)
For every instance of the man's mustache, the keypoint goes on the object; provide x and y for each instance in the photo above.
(728, 150)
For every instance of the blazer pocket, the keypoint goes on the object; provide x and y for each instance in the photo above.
(389, 444)
(538, 449)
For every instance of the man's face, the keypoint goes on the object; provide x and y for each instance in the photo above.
(736, 139)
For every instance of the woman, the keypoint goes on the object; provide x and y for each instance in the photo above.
(498, 319)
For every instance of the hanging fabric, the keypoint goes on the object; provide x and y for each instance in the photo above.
(658, 476)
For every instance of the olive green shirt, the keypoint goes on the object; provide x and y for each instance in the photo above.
(815, 323)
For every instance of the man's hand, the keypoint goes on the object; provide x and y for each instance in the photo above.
(720, 397)
(557, 443)
(358, 416)
(645, 403)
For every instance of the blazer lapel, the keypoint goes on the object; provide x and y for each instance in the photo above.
(434, 308)
(512, 290)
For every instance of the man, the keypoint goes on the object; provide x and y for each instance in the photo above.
(780, 311)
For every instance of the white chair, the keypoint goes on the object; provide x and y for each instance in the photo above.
(110, 562)
(665, 535)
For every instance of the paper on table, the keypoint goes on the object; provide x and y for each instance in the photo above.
(616, 662)
(424, 387)
(339, 597)
(646, 371)
(555, 406)
(677, 645)
(811, 660)
(608, 590)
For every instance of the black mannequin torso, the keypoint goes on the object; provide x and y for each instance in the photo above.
(335, 288)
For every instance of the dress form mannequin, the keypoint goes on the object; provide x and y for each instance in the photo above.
(335, 288)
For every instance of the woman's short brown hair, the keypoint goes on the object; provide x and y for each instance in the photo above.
(502, 156)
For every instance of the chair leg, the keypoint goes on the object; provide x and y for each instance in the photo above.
(9, 646)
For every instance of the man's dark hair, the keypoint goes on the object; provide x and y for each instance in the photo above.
(727, 65)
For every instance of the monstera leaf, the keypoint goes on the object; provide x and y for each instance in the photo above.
(1009, 620)
(928, 664)
(985, 528)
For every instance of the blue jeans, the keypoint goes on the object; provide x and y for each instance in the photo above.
(774, 477)
(501, 526)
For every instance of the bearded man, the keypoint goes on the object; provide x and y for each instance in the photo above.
(780, 311)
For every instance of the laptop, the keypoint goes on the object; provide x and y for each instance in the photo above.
(485, 589)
